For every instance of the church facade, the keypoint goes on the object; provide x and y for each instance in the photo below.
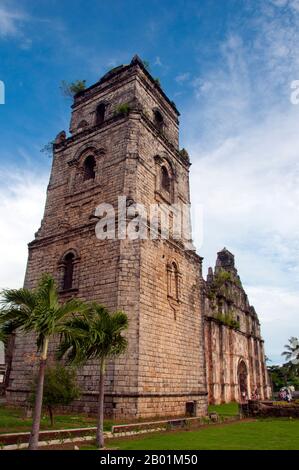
(125, 142)
(235, 357)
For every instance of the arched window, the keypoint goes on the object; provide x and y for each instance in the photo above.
(68, 271)
(100, 113)
(165, 179)
(89, 168)
(159, 121)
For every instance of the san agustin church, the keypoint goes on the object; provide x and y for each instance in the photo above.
(191, 341)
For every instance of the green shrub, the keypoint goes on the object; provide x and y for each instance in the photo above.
(228, 319)
(123, 109)
(71, 89)
(222, 276)
(60, 388)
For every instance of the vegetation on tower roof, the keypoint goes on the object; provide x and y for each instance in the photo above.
(122, 109)
(73, 88)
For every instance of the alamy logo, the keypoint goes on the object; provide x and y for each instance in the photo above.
(132, 221)
(2, 92)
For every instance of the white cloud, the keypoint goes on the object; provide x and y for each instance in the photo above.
(242, 133)
(11, 21)
(279, 3)
(22, 196)
(249, 191)
(182, 78)
(279, 314)
(294, 4)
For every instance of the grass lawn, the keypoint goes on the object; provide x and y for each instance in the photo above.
(227, 409)
(272, 434)
(267, 434)
(12, 420)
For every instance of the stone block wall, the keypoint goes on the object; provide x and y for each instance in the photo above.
(163, 368)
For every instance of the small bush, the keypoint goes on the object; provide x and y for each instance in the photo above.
(123, 109)
(222, 277)
(71, 89)
(227, 319)
(60, 388)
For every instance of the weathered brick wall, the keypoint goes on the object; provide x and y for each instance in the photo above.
(227, 346)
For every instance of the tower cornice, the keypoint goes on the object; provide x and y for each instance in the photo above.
(117, 73)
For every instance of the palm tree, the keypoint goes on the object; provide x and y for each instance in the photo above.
(292, 351)
(37, 311)
(96, 336)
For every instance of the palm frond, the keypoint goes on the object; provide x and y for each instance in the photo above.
(18, 297)
(95, 335)
(69, 309)
(39, 310)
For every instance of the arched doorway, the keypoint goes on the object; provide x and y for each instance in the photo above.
(242, 381)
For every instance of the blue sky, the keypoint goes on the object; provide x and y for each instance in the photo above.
(228, 65)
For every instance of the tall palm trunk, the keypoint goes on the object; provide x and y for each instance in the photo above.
(33, 442)
(100, 423)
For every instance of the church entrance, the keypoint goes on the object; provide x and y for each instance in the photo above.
(242, 380)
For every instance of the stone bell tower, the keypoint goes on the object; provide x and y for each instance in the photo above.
(124, 142)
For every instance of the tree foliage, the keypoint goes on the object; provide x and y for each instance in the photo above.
(98, 336)
(291, 352)
(288, 373)
(37, 311)
(282, 376)
(60, 388)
